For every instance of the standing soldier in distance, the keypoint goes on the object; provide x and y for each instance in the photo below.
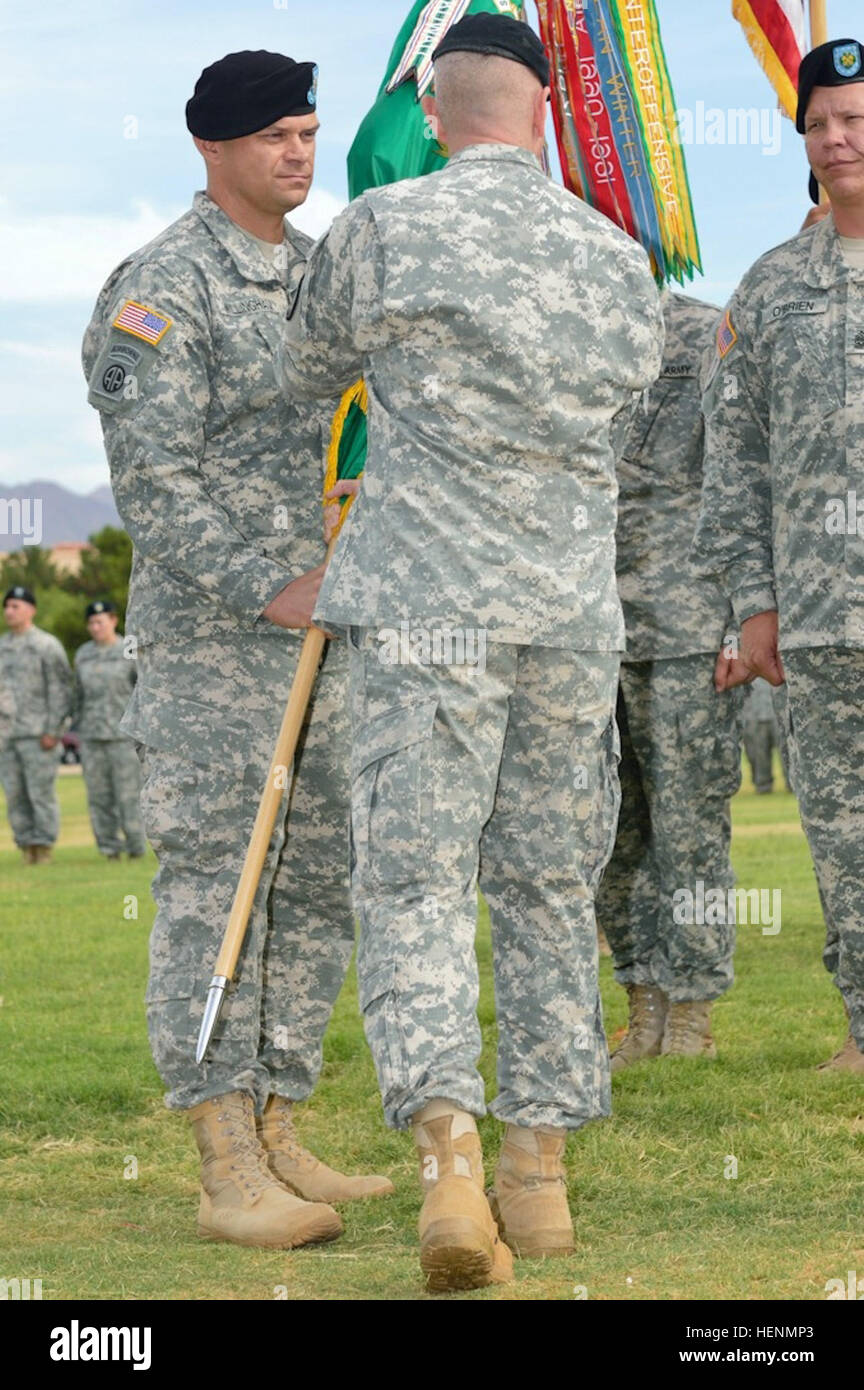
(218, 480)
(104, 680)
(680, 751)
(784, 407)
(34, 667)
(497, 356)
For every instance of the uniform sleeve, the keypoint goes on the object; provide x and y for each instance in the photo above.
(77, 696)
(153, 399)
(733, 534)
(59, 688)
(337, 309)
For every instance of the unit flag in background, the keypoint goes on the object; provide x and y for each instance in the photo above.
(615, 125)
(776, 30)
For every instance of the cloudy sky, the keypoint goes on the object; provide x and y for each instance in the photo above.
(95, 160)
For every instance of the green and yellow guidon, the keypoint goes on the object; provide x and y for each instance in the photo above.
(346, 456)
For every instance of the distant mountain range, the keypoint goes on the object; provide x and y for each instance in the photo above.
(65, 515)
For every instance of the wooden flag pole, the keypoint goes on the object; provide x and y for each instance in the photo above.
(818, 22)
(268, 809)
(819, 35)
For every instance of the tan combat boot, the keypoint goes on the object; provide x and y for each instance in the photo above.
(300, 1170)
(529, 1199)
(28, 854)
(41, 854)
(849, 1058)
(459, 1243)
(241, 1201)
(648, 1006)
(603, 947)
(688, 1030)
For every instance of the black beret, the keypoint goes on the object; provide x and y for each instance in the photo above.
(18, 591)
(830, 65)
(245, 92)
(100, 606)
(499, 34)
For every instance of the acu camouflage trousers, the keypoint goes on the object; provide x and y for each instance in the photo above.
(680, 766)
(825, 717)
(113, 777)
(504, 775)
(29, 776)
(204, 770)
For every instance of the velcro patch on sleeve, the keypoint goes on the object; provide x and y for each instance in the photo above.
(119, 373)
(726, 336)
(142, 322)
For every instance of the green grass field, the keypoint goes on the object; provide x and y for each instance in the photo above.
(655, 1218)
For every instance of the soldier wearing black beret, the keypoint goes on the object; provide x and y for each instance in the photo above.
(105, 676)
(35, 672)
(218, 480)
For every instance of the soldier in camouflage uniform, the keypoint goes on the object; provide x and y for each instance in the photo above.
(784, 404)
(218, 480)
(680, 751)
(760, 724)
(502, 325)
(105, 677)
(34, 668)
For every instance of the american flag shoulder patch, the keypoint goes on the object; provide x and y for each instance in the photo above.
(726, 336)
(142, 322)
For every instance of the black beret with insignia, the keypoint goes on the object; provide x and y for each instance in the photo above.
(832, 64)
(245, 92)
(18, 591)
(100, 605)
(499, 34)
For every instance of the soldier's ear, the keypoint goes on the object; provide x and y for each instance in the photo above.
(540, 109)
(209, 150)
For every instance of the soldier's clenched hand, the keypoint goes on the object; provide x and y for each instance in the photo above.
(294, 605)
(759, 647)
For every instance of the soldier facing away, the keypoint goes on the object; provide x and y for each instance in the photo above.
(105, 676)
(35, 669)
(502, 325)
(218, 479)
(784, 405)
(680, 750)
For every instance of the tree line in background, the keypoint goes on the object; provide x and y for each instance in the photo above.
(62, 597)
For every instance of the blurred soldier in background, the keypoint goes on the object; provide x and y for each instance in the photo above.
(104, 680)
(34, 668)
(760, 724)
(680, 752)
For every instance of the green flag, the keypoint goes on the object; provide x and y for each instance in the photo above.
(394, 142)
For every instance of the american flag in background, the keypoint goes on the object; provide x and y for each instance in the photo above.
(776, 31)
(143, 322)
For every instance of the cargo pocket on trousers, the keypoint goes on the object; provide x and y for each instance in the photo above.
(709, 744)
(607, 804)
(378, 1002)
(392, 803)
(169, 804)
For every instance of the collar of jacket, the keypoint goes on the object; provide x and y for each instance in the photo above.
(515, 153)
(827, 264)
(244, 252)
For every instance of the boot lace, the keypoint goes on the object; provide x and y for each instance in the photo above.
(249, 1166)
